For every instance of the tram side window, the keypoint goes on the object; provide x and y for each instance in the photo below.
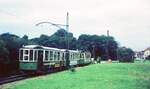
(51, 55)
(63, 56)
(73, 56)
(55, 55)
(58, 55)
(31, 55)
(70, 56)
(46, 55)
(81, 55)
(77, 55)
(35, 55)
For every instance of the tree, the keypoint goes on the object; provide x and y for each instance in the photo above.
(58, 40)
(12, 44)
(98, 45)
(62, 39)
(125, 54)
(23, 41)
(3, 53)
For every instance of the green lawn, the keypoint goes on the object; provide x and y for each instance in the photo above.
(95, 76)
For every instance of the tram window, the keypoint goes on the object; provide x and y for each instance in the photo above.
(31, 55)
(81, 55)
(63, 56)
(70, 56)
(58, 55)
(35, 55)
(26, 51)
(25, 57)
(55, 55)
(51, 55)
(73, 56)
(40, 55)
(46, 55)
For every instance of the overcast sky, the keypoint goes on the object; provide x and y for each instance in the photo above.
(127, 20)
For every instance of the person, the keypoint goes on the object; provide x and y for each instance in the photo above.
(99, 59)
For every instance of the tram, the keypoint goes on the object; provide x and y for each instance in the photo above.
(36, 57)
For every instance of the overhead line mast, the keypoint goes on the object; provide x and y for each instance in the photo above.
(107, 43)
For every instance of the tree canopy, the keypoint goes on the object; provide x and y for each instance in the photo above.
(59, 39)
(103, 46)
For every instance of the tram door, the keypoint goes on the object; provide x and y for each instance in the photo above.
(40, 60)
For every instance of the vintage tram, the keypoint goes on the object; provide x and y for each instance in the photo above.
(36, 57)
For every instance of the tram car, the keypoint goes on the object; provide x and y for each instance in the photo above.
(36, 57)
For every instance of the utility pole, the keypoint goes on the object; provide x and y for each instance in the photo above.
(107, 44)
(108, 33)
(67, 41)
(67, 29)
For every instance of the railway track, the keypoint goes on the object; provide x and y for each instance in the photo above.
(21, 76)
(13, 78)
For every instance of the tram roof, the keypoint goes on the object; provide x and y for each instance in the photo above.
(74, 51)
(39, 46)
(49, 48)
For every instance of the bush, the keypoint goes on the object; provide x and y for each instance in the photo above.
(125, 54)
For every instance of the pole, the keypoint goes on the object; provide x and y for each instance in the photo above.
(107, 49)
(67, 29)
(94, 52)
(107, 33)
(67, 41)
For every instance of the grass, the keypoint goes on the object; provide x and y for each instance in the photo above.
(96, 76)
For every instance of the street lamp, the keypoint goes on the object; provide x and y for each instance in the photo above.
(66, 35)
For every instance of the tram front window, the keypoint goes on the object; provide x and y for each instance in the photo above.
(26, 58)
(26, 52)
(26, 55)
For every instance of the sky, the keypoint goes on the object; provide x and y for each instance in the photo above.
(128, 21)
